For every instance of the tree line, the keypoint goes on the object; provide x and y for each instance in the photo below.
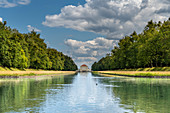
(151, 48)
(28, 50)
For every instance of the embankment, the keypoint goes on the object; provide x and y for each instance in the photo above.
(15, 73)
(147, 74)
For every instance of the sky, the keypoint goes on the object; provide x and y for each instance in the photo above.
(85, 30)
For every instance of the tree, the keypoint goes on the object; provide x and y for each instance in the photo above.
(151, 48)
(29, 51)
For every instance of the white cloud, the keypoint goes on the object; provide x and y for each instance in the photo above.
(13, 3)
(24, 2)
(1, 19)
(113, 18)
(87, 58)
(30, 28)
(89, 51)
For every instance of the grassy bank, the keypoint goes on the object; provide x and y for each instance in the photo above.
(29, 72)
(151, 74)
(147, 69)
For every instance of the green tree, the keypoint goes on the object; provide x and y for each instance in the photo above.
(151, 48)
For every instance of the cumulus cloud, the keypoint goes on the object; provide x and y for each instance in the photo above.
(89, 51)
(113, 18)
(87, 58)
(1, 19)
(30, 28)
(163, 10)
(13, 3)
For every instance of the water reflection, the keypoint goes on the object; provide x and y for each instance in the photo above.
(85, 93)
(141, 94)
(17, 95)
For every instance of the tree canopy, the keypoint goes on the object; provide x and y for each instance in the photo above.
(151, 48)
(29, 51)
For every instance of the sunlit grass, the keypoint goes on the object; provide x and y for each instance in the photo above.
(147, 69)
(29, 72)
(135, 73)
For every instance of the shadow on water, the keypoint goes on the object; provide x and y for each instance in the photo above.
(85, 92)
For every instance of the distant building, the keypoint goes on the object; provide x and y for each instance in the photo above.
(84, 68)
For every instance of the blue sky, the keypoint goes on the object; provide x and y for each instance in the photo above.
(34, 13)
(84, 29)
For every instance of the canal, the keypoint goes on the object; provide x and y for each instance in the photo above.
(85, 93)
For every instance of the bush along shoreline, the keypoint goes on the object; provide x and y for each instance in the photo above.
(29, 51)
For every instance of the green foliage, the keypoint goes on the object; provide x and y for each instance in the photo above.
(151, 48)
(29, 51)
(69, 64)
(56, 58)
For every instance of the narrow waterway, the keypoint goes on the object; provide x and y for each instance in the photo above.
(85, 92)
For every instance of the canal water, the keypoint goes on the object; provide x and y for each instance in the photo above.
(85, 93)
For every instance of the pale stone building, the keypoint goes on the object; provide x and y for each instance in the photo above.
(84, 68)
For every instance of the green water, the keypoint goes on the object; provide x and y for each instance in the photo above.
(85, 92)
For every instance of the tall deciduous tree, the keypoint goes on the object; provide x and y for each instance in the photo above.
(29, 51)
(151, 48)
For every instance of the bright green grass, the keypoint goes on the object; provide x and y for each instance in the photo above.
(137, 74)
(9, 69)
(29, 74)
(16, 69)
(150, 74)
(147, 69)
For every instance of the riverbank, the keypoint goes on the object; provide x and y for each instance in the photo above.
(148, 74)
(33, 73)
(15, 73)
(147, 69)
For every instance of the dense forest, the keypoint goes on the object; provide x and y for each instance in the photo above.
(23, 51)
(151, 48)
